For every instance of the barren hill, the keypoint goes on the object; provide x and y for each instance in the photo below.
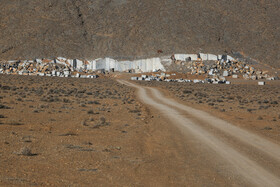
(139, 28)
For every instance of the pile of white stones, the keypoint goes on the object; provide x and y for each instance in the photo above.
(58, 67)
(166, 78)
(217, 68)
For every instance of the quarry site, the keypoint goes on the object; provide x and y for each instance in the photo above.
(135, 93)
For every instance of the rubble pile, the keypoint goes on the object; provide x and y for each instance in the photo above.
(215, 68)
(164, 77)
(218, 70)
(60, 67)
(64, 65)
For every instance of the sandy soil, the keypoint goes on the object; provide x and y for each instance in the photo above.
(81, 132)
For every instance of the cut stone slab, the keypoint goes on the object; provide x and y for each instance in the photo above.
(225, 74)
(235, 76)
(228, 82)
(261, 83)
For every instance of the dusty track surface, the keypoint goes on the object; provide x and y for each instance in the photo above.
(245, 156)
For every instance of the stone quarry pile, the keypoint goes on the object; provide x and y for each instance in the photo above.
(164, 77)
(44, 67)
(219, 70)
(215, 68)
(59, 67)
(66, 67)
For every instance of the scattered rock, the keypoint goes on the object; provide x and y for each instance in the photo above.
(69, 134)
(90, 112)
(25, 151)
(4, 107)
(260, 118)
(267, 128)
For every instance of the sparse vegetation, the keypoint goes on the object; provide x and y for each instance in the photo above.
(25, 151)
(240, 99)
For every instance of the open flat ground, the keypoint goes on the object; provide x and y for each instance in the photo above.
(68, 131)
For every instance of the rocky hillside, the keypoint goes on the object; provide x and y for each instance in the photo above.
(139, 28)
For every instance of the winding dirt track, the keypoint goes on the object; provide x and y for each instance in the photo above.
(252, 157)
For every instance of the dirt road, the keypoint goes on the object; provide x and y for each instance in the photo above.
(240, 153)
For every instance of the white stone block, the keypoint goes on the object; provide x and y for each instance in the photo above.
(184, 57)
(71, 62)
(270, 78)
(230, 58)
(80, 64)
(203, 56)
(12, 61)
(62, 59)
(225, 74)
(212, 57)
(261, 83)
(66, 72)
(235, 76)
(254, 77)
(39, 61)
(92, 65)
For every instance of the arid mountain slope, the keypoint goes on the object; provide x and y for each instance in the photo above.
(134, 28)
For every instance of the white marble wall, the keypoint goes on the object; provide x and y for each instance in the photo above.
(183, 57)
(205, 57)
(142, 65)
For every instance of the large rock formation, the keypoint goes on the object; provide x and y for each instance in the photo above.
(131, 29)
